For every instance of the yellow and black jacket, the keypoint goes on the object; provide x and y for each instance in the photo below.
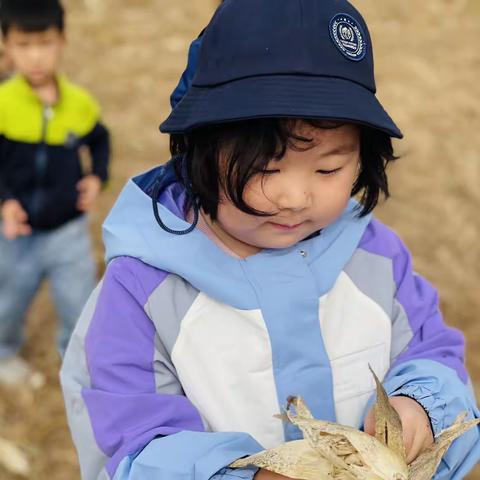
(40, 149)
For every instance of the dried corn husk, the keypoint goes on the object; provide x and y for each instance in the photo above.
(13, 459)
(336, 452)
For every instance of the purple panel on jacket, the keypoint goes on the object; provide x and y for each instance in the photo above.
(136, 420)
(120, 347)
(432, 339)
(120, 334)
(174, 198)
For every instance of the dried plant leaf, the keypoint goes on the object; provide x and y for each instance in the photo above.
(300, 407)
(426, 464)
(328, 445)
(388, 426)
(293, 459)
(377, 458)
(13, 459)
(338, 452)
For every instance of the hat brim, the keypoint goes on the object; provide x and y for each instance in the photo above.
(283, 96)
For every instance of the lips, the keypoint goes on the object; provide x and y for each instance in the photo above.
(286, 228)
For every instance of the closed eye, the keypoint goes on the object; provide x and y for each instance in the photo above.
(329, 172)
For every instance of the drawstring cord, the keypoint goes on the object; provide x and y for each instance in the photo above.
(196, 211)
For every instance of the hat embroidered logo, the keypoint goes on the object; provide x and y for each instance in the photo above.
(348, 36)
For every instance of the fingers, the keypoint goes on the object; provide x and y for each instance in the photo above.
(21, 215)
(86, 201)
(24, 230)
(88, 188)
(369, 425)
(13, 229)
(412, 448)
(9, 230)
(417, 432)
(418, 440)
(83, 204)
(15, 220)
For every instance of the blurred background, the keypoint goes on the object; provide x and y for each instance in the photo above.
(130, 53)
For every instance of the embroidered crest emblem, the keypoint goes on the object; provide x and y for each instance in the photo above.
(348, 36)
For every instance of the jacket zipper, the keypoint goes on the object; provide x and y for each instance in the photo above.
(41, 163)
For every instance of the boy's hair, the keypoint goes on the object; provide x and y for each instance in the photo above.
(31, 15)
(227, 156)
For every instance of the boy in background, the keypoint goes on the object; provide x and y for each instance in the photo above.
(44, 193)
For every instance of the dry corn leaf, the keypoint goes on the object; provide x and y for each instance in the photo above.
(388, 426)
(13, 459)
(294, 459)
(337, 452)
(376, 459)
(426, 464)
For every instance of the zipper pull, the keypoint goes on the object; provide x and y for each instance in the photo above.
(48, 112)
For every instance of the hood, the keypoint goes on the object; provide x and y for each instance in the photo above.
(131, 230)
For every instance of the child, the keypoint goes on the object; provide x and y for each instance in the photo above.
(263, 278)
(44, 194)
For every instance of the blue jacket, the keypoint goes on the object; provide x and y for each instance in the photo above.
(183, 353)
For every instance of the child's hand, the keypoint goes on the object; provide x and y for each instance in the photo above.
(266, 475)
(89, 188)
(15, 220)
(417, 432)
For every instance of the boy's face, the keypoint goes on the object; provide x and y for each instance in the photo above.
(307, 190)
(35, 55)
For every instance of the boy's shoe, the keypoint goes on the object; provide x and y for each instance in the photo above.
(14, 371)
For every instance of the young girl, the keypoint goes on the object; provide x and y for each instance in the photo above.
(243, 271)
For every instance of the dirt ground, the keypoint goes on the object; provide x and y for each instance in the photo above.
(129, 53)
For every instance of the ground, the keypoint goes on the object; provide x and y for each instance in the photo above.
(129, 53)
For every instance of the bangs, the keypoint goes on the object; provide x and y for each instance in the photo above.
(224, 158)
(31, 15)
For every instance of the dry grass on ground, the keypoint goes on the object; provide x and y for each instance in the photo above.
(130, 55)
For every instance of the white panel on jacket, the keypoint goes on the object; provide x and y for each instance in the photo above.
(357, 333)
(232, 386)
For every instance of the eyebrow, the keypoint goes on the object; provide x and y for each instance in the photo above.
(342, 149)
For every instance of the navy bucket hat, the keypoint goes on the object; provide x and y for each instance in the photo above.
(283, 58)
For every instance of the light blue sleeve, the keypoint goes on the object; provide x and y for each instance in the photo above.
(235, 474)
(443, 396)
(190, 455)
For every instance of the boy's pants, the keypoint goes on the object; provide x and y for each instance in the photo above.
(63, 257)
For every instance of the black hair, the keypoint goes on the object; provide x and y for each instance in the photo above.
(31, 15)
(243, 149)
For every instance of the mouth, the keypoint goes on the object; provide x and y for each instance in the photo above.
(285, 227)
(36, 73)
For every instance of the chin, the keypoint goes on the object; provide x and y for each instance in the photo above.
(282, 243)
(38, 80)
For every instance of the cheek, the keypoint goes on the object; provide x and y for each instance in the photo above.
(256, 195)
(234, 221)
(332, 197)
(50, 57)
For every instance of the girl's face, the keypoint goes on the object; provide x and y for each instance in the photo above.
(306, 190)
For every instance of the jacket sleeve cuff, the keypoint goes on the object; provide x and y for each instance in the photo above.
(203, 454)
(235, 474)
(433, 405)
(437, 388)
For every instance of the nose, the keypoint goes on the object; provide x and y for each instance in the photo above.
(35, 54)
(293, 196)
